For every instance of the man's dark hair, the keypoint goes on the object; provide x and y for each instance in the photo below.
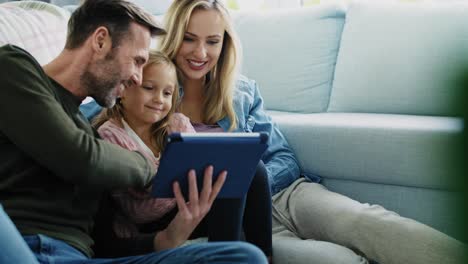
(115, 15)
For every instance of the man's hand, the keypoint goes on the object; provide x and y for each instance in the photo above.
(190, 213)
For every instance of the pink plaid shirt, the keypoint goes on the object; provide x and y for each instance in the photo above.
(136, 206)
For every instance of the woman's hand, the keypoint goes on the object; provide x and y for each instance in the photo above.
(192, 212)
(178, 122)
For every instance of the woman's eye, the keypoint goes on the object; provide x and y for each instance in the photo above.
(188, 39)
(213, 42)
(147, 87)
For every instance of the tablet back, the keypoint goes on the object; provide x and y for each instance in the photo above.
(238, 153)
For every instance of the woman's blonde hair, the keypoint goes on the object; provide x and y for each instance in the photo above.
(220, 81)
(158, 129)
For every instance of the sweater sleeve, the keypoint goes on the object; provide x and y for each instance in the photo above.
(35, 121)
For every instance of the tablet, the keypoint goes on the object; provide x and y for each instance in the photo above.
(238, 153)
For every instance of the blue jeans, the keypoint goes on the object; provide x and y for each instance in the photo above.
(12, 246)
(49, 250)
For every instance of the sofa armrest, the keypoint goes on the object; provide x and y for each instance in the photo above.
(404, 150)
(401, 162)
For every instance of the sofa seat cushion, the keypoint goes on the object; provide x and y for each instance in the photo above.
(38, 27)
(376, 148)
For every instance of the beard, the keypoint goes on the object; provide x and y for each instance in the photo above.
(101, 80)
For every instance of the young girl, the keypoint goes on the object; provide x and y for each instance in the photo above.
(140, 121)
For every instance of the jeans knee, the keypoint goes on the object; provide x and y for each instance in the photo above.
(252, 253)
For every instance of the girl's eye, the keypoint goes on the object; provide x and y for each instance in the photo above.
(168, 93)
(213, 42)
(147, 87)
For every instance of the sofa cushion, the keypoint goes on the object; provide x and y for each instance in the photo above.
(399, 58)
(291, 54)
(375, 148)
(38, 27)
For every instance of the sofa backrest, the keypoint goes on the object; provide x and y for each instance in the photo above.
(389, 58)
(400, 58)
(37, 27)
(291, 54)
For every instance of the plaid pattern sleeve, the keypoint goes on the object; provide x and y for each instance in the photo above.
(137, 206)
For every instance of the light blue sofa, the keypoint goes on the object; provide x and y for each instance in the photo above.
(364, 94)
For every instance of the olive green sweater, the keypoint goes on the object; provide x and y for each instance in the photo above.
(53, 168)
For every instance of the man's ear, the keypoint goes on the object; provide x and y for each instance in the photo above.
(101, 41)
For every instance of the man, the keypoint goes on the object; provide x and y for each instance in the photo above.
(52, 167)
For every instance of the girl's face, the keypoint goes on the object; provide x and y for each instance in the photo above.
(150, 102)
(202, 44)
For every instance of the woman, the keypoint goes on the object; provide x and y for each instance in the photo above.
(201, 42)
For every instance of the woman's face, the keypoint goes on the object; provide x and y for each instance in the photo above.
(150, 102)
(202, 44)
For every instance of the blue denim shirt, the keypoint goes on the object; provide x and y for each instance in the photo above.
(280, 162)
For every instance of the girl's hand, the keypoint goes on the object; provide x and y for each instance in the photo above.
(178, 122)
(190, 213)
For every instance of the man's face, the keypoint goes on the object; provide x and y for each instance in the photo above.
(102, 79)
(105, 78)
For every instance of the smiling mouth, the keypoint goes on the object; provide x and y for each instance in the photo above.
(155, 109)
(197, 64)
